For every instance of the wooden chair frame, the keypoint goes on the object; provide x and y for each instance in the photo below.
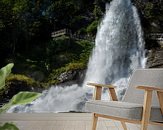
(146, 106)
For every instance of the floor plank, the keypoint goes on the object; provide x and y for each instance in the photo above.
(57, 121)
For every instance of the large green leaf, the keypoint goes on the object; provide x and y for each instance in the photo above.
(8, 126)
(20, 98)
(24, 97)
(4, 72)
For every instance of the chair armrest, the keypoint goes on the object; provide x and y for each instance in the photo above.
(148, 100)
(98, 91)
(150, 88)
(101, 85)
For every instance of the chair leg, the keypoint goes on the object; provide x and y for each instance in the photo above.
(144, 126)
(124, 125)
(146, 110)
(94, 122)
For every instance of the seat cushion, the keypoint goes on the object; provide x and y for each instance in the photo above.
(125, 110)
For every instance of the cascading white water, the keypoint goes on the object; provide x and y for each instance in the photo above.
(56, 99)
(119, 49)
(119, 46)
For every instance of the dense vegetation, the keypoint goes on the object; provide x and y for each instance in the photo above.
(25, 35)
(151, 16)
(26, 26)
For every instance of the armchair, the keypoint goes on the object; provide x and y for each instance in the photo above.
(138, 107)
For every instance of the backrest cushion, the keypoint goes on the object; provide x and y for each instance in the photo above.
(144, 77)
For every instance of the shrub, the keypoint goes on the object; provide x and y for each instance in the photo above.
(21, 78)
(148, 10)
(92, 28)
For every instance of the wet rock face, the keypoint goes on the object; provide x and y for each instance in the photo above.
(66, 76)
(71, 77)
(155, 58)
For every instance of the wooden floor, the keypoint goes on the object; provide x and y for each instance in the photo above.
(60, 121)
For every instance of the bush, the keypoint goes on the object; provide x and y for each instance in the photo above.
(82, 31)
(86, 52)
(148, 10)
(92, 28)
(27, 81)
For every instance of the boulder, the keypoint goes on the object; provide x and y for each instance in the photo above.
(155, 58)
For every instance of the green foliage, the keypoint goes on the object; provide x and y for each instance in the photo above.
(27, 25)
(62, 43)
(4, 72)
(17, 82)
(97, 11)
(21, 78)
(20, 6)
(8, 126)
(148, 10)
(84, 56)
(20, 98)
(152, 16)
(92, 28)
(64, 50)
(82, 31)
(76, 64)
(24, 23)
(24, 97)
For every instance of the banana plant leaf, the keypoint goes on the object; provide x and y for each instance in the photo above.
(20, 98)
(4, 72)
(8, 126)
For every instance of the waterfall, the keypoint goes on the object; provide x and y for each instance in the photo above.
(119, 49)
(119, 44)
